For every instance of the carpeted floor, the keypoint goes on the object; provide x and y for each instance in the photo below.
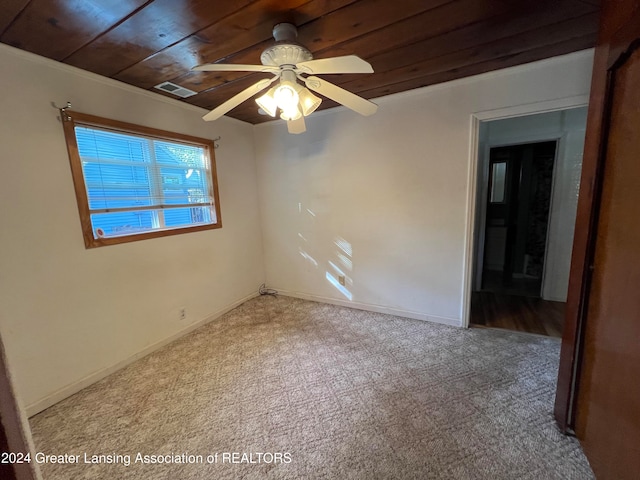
(321, 392)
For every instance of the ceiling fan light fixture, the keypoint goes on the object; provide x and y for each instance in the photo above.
(268, 103)
(286, 97)
(293, 67)
(291, 114)
(308, 101)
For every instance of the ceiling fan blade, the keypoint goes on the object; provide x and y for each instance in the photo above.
(297, 126)
(340, 95)
(231, 67)
(346, 64)
(233, 102)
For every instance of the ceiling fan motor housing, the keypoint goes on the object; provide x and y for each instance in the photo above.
(286, 51)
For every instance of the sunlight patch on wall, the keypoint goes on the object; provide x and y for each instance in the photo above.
(345, 246)
(343, 290)
(308, 257)
(336, 275)
(345, 261)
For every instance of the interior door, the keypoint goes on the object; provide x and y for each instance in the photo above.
(504, 168)
(608, 389)
(517, 216)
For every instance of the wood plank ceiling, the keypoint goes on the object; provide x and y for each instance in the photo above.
(410, 43)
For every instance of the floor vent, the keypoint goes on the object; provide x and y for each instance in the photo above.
(174, 89)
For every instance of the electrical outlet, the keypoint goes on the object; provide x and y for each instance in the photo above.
(341, 280)
(183, 313)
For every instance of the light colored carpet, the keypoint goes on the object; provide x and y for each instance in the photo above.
(347, 394)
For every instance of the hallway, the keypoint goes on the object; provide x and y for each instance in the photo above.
(524, 314)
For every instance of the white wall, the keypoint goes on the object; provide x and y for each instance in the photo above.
(394, 187)
(568, 126)
(70, 315)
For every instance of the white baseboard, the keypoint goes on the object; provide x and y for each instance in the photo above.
(75, 387)
(369, 307)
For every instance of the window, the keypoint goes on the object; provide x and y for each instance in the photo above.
(498, 181)
(134, 183)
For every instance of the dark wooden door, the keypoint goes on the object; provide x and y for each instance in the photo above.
(518, 201)
(607, 410)
(502, 210)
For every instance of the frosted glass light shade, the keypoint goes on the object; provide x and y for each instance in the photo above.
(290, 97)
(308, 101)
(268, 103)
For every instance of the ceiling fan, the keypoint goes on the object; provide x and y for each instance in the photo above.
(289, 62)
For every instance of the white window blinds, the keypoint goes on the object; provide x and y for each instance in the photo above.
(138, 184)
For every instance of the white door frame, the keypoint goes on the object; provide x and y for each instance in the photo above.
(472, 177)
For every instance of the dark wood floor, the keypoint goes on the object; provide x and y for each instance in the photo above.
(524, 314)
(527, 287)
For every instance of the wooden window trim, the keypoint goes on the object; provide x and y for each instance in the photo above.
(71, 119)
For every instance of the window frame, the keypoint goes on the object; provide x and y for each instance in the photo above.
(72, 119)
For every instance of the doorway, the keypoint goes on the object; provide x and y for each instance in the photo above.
(527, 182)
(517, 217)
